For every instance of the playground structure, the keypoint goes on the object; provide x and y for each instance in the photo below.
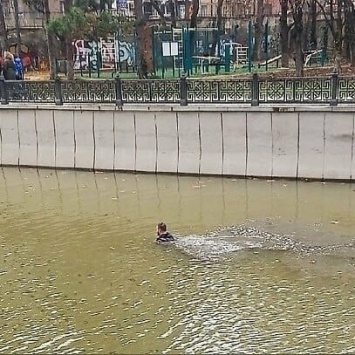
(112, 54)
(318, 55)
(195, 54)
(190, 51)
(177, 51)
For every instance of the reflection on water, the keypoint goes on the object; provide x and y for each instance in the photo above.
(80, 271)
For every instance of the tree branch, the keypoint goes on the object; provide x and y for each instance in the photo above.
(194, 13)
(37, 5)
(157, 8)
(326, 17)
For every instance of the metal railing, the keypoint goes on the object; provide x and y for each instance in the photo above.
(254, 90)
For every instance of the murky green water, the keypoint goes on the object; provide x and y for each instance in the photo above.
(80, 271)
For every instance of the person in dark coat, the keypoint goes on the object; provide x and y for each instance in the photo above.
(9, 68)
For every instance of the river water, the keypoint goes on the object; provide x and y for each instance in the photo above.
(80, 271)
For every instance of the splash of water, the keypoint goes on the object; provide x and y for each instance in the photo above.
(227, 240)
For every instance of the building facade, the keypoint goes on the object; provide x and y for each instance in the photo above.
(28, 18)
(231, 9)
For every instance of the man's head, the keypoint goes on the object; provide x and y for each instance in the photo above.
(161, 228)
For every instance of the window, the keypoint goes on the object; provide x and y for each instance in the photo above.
(61, 6)
(147, 8)
(267, 9)
(203, 11)
(7, 8)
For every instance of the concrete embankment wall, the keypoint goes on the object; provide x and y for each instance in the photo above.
(292, 142)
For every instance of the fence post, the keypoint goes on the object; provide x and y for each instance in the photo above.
(118, 90)
(255, 90)
(334, 89)
(58, 91)
(183, 90)
(3, 91)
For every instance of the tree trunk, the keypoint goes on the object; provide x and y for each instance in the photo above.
(144, 50)
(142, 68)
(3, 31)
(335, 25)
(70, 58)
(216, 34)
(172, 5)
(306, 32)
(194, 13)
(352, 54)
(141, 23)
(69, 45)
(193, 24)
(352, 32)
(339, 44)
(156, 7)
(337, 58)
(349, 35)
(258, 29)
(284, 30)
(298, 30)
(299, 55)
(17, 27)
(313, 25)
(51, 56)
(50, 42)
(336, 29)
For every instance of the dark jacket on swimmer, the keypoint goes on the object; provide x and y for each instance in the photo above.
(165, 237)
(163, 234)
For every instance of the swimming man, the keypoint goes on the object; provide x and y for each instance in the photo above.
(163, 234)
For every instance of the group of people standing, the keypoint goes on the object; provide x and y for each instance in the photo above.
(11, 67)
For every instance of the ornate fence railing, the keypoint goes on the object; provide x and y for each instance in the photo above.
(254, 91)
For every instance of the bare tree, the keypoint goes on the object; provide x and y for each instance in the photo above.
(259, 16)
(51, 41)
(349, 31)
(334, 20)
(144, 42)
(172, 5)
(141, 25)
(69, 51)
(313, 24)
(311, 21)
(219, 27)
(17, 27)
(284, 34)
(195, 6)
(157, 8)
(3, 31)
(297, 14)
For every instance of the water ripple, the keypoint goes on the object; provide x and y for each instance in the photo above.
(80, 272)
